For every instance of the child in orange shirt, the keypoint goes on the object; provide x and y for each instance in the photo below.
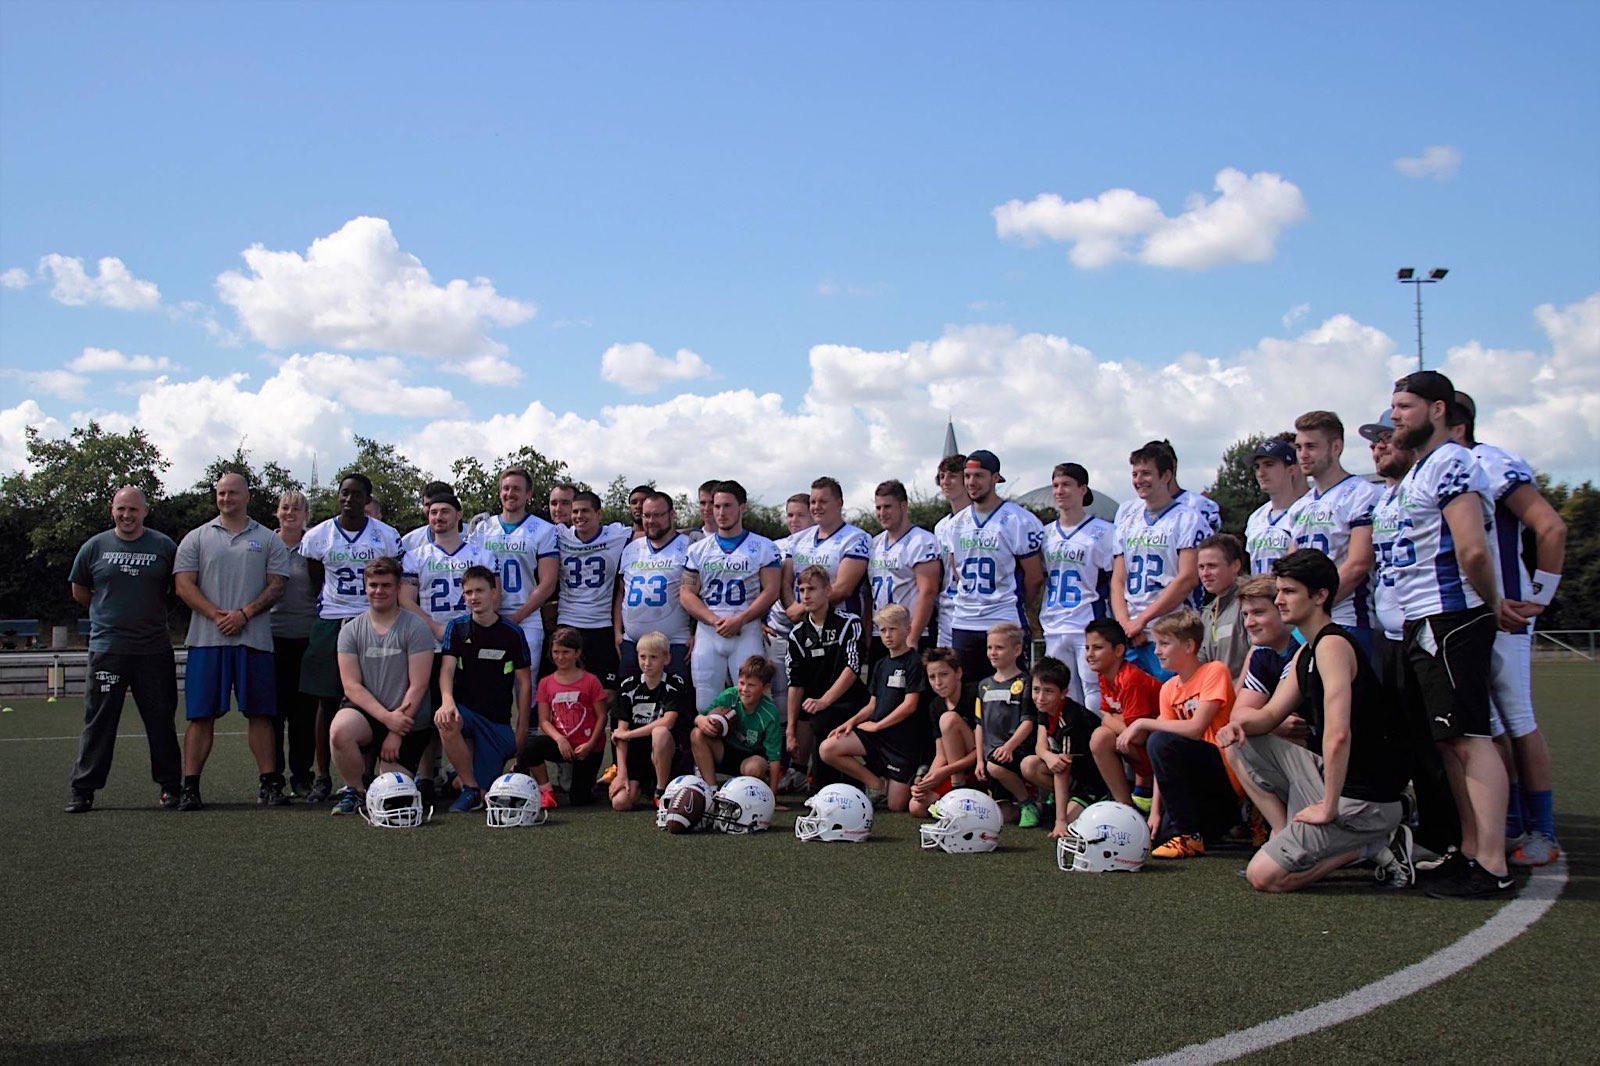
(1197, 796)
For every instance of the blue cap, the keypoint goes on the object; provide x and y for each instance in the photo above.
(1376, 431)
(985, 460)
(1277, 449)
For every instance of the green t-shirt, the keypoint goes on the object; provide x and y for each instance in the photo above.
(753, 732)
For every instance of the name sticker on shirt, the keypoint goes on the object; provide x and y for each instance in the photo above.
(816, 653)
(997, 695)
(491, 653)
(897, 679)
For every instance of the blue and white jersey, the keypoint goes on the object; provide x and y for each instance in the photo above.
(1428, 579)
(344, 557)
(777, 618)
(589, 575)
(438, 576)
(651, 581)
(1204, 506)
(987, 552)
(952, 580)
(891, 569)
(1268, 537)
(1386, 519)
(1077, 575)
(730, 570)
(517, 549)
(421, 535)
(810, 547)
(1506, 473)
(1322, 519)
(1149, 545)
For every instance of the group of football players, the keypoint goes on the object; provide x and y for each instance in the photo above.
(1347, 681)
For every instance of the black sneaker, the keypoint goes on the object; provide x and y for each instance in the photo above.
(321, 789)
(1395, 866)
(169, 798)
(1451, 866)
(80, 803)
(299, 787)
(1475, 883)
(189, 799)
(271, 795)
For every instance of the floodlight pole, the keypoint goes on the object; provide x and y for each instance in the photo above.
(1408, 276)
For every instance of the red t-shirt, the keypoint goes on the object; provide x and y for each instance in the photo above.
(574, 708)
(1132, 693)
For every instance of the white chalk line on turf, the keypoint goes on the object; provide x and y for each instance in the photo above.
(1508, 923)
(120, 736)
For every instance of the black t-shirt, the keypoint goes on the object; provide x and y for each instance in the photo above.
(1069, 732)
(964, 704)
(1377, 768)
(487, 659)
(638, 704)
(819, 654)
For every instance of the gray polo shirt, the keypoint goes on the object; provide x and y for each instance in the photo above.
(129, 580)
(385, 657)
(231, 570)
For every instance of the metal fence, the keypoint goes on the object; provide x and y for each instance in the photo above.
(1575, 644)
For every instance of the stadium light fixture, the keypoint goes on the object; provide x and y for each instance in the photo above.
(1408, 276)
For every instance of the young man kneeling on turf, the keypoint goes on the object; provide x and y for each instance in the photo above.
(485, 672)
(1197, 796)
(739, 734)
(1061, 764)
(1336, 800)
(950, 716)
(884, 743)
(652, 715)
(1004, 725)
(1127, 694)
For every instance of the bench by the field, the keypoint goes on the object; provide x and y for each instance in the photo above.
(17, 632)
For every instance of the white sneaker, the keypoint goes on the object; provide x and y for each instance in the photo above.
(1536, 849)
(793, 780)
(1395, 866)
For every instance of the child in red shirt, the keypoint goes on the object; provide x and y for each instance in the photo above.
(1127, 694)
(572, 715)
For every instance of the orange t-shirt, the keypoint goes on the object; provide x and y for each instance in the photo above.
(1211, 682)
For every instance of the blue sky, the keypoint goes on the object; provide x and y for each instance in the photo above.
(804, 197)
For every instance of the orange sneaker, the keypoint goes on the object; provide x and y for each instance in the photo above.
(1181, 847)
(547, 797)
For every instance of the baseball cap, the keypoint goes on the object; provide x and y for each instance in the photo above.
(1280, 450)
(984, 460)
(1077, 473)
(1376, 431)
(1466, 410)
(1430, 385)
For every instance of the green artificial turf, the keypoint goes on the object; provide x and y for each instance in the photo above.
(240, 935)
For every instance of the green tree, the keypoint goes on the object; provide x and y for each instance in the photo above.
(1577, 602)
(396, 481)
(266, 484)
(1235, 490)
(478, 486)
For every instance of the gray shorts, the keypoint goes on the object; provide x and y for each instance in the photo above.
(1294, 775)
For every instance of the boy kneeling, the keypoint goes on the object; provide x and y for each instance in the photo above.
(1061, 763)
(883, 745)
(653, 714)
(739, 733)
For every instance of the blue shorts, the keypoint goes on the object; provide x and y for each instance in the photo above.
(1144, 657)
(215, 677)
(492, 745)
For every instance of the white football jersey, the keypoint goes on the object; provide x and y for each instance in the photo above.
(517, 551)
(344, 557)
(730, 578)
(987, 554)
(952, 580)
(1386, 518)
(1204, 506)
(1506, 473)
(891, 569)
(651, 580)
(1322, 519)
(589, 575)
(1268, 537)
(777, 619)
(438, 576)
(1149, 546)
(1077, 574)
(1428, 579)
(810, 548)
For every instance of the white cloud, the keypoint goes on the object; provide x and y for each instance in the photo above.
(62, 384)
(14, 423)
(15, 278)
(355, 288)
(637, 368)
(369, 386)
(486, 370)
(109, 360)
(113, 285)
(1437, 161)
(1295, 314)
(1241, 225)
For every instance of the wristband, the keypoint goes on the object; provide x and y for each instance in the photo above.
(1544, 587)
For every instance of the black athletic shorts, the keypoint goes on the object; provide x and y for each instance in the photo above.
(600, 655)
(732, 758)
(1449, 655)
(640, 769)
(889, 759)
(412, 745)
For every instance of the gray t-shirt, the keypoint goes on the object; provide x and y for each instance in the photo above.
(295, 614)
(231, 570)
(385, 657)
(129, 580)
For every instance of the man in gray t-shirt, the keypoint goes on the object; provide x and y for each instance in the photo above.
(230, 572)
(385, 656)
(122, 575)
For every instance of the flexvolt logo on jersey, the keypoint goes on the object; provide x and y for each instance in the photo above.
(1148, 538)
(666, 563)
(355, 555)
(715, 565)
(980, 540)
(1075, 554)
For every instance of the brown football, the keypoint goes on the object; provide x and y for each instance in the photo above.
(686, 811)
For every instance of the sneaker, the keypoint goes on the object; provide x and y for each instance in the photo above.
(878, 798)
(1446, 868)
(1181, 847)
(1536, 849)
(1395, 868)
(272, 795)
(169, 798)
(300, 787)
(349, 802)
(80, 802)
(793, 780)
(1475, 883)
(547, 797)
(1143, 803)
(660, 794)
(189, 799)
(1028, 816)
(321, 789)
(471, 799)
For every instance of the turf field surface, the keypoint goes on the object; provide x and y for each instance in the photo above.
(238, 934)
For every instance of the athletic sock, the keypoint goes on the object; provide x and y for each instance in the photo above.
(191, 780)
(1143, 791)
(1514, 819)
(1539, 811)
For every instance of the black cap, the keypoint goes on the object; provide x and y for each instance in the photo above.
(1274, 448)
(1430, 385)
(1376, 431)
(985, 460)
(1077, 473)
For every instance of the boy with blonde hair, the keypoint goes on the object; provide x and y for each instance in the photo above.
(883, 745)
(1003, 732)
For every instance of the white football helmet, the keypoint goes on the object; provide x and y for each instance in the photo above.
(969, 821)
(678, 784)
(513, 800)
(743, 805)
(1107, 836)
(394, 802)
(838, 812)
